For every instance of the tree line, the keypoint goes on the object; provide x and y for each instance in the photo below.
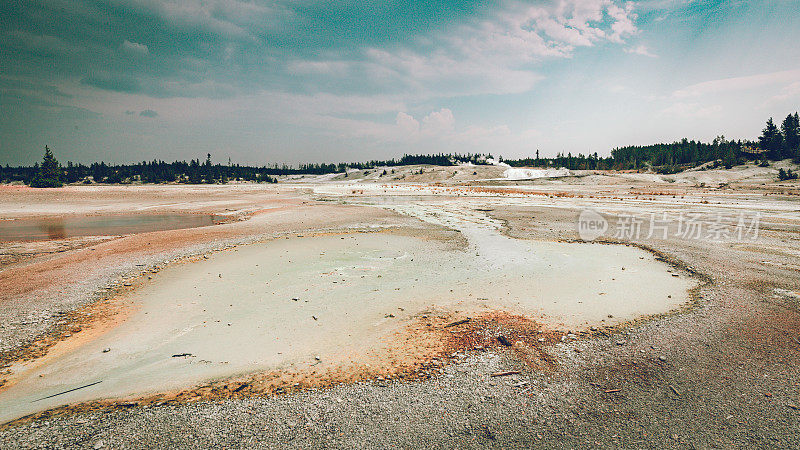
(577, 162)
(52, 174)
(775, 143)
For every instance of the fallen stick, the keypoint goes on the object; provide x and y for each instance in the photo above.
(674, 390)
(503, 340)
(65, 392)
(611, 391)
(457, 322)
(506, 373)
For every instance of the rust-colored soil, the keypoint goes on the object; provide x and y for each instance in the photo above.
(418, 351)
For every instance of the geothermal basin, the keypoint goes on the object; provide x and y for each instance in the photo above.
(290, 303)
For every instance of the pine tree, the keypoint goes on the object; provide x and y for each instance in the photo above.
(49, 173)
(791, 135)
(771, 140)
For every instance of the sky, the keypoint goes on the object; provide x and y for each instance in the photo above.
(264, 82)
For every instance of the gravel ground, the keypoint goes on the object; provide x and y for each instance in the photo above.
(722, 374)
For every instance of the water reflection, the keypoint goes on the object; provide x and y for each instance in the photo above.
(74, 226)
(54, 229)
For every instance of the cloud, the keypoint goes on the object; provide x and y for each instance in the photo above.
(113, 82)
(640, 49)
(318, 67)
(134, 48)
(41, 44)
(788, 92)
(226, 18)
(623, 21)
(785, 77)
(407, 123)
(149, 113)
(441, 121)
(241, 46)
(692, 110)
(489, 54)
(436, 123)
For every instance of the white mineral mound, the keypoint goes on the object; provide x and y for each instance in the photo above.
(528, 174)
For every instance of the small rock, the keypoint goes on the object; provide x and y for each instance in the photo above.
(99, 444)
(106, 350)
(662, 358)
(620, 342)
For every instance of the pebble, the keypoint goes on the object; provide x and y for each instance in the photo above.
(662, 358)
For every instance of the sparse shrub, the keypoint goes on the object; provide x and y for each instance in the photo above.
(784, 175)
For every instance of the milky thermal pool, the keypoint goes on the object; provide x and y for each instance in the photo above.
(280, 304)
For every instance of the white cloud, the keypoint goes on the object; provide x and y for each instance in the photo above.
(51, 45)
(788, 92)
(441, 121)
(640, 49)
(407, 123)
(785, 77)
(491, 55)
(318, 67)
(692, 110)
(623, 25)
(228, 18)
(135, 48)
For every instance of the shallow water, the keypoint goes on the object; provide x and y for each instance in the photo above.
(40, 229)
(235, 312)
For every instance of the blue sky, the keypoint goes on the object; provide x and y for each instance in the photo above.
(301, 81)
